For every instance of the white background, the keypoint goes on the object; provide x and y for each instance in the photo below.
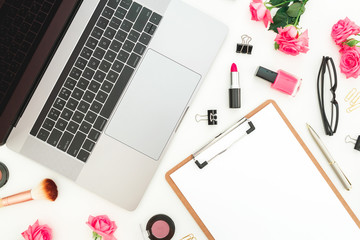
(67, 216)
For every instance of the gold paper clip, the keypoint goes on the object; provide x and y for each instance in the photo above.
(189, 237)
(352, 97)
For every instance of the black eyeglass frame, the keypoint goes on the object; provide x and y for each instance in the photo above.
(329, 127)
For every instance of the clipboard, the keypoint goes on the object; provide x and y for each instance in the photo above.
(196, 179)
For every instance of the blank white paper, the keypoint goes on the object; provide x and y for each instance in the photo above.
(265, 187)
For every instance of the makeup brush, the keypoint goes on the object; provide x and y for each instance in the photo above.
(46, 190)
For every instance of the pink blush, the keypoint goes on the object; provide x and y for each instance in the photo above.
(160, 229)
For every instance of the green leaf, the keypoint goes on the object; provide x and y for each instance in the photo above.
(276, 46)
(296, 9)
(281, 19)
(96, 236)
(352, 42)
(278, 3)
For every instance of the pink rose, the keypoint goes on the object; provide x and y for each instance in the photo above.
(350, 61)
(290, 42)
(103, 226)
(344, 29)
(259, 12)
(38, 232)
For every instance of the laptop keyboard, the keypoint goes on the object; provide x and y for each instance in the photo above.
(22, 26)
(95, 76)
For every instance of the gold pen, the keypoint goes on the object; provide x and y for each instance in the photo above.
(344, 180)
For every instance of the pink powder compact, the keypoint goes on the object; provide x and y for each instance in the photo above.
(160, 227)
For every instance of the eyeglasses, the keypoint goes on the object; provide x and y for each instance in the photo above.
(326, 87)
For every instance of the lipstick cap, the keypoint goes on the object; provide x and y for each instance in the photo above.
(266, 74)
(234, 97)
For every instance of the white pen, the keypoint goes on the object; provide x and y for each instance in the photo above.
(344, 180)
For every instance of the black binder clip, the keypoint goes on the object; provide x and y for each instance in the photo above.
(211, 117)
(349, 139)
(244, 46)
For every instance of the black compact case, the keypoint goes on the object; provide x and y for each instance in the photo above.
(4, 174)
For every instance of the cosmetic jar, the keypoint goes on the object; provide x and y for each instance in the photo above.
(4, 174)
(160, 227)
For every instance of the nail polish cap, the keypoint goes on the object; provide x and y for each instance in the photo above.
(266, 74)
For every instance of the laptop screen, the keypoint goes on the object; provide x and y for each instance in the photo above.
(30, 31)
(22, 26)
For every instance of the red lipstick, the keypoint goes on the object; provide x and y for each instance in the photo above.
(233, 67)
(234, 90)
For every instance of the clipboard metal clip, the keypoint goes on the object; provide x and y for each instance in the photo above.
(217, 138)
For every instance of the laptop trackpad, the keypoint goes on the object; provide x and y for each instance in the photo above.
(153, 104)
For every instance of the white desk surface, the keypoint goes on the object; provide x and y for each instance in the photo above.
(68, 214)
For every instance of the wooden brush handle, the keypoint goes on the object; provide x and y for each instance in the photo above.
(16, 198)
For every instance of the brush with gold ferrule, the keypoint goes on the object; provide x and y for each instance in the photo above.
(46, 190)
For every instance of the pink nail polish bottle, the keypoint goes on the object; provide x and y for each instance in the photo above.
(281, 80)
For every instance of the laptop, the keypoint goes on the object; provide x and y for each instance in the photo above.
(95, 90)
